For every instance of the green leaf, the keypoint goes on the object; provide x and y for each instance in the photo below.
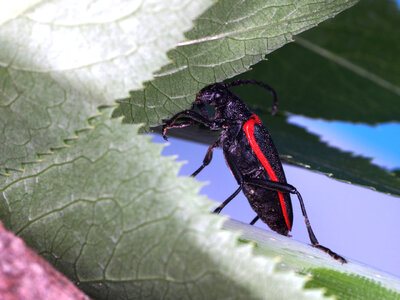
(59, 60)
(346, 69)
(348, 286)
(226, 41)
(111, 214)
(343, 281)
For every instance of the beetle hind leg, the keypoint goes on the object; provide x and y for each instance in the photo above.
(334, 255)
(311, 234)
(287, 188)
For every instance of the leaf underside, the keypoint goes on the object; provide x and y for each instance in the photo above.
(345, 69)
(226, 41)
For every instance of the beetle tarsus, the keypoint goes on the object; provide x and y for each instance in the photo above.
(170, 124)
(164, 132)
(334, 255)
(229, 199)
(254, 220)
(198, 170)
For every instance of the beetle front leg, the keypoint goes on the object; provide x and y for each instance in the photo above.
(193, 116)
(170, 123)
(171, 126)
(287, 188)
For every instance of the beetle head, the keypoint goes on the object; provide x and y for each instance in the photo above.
(215, 95)
(218, 94)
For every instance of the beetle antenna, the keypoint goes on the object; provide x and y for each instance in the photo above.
(266, 86)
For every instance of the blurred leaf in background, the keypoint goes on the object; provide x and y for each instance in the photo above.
(345, 69)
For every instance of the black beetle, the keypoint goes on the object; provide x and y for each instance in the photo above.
(250, 154)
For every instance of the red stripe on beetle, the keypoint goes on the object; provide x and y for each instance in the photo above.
(248, 128)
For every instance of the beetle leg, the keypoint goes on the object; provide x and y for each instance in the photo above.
(207, 159)
(179, 125)
(287, 188)
(193, 116)
(239, 178)
(223, 204)
(254, 220)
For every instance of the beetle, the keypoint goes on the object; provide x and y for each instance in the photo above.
(249, 153)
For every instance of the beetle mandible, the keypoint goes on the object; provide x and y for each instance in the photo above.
(249, 153)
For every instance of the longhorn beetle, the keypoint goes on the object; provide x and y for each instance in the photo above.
(250, 154)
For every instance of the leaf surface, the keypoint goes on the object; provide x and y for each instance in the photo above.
(111, 214)
(226, 41)
(60, 60)
(341, 281)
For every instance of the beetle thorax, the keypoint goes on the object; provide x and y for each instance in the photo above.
(235, 110)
